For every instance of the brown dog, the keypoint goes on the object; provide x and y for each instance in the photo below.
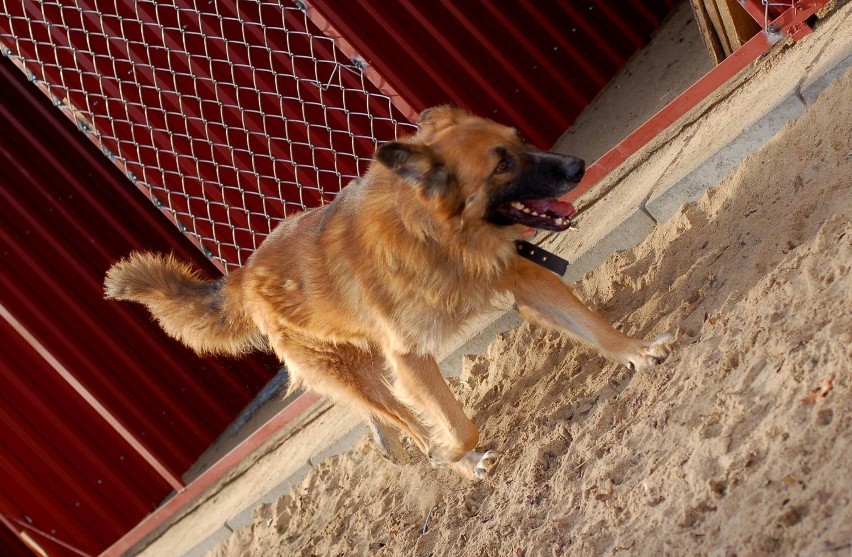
(357, 296)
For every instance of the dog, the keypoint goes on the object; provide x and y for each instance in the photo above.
(356, 297)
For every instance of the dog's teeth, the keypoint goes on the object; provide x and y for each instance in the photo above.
(559, 222)
(526, 210)
(534, 214)
(517, 205)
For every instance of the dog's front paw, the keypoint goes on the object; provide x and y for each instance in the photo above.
(486, 464)
(476, 466)
(650, 353)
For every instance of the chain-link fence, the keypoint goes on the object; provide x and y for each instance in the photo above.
(230, 116)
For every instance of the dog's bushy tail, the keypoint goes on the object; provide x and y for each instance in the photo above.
(205, 315)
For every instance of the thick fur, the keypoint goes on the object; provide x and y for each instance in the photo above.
(357, 297)
(207, 316)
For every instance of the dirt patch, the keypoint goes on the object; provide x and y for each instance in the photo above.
(739, 444)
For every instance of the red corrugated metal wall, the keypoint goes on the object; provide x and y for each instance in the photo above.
(67, 215)
(11, 545)
(531, 64)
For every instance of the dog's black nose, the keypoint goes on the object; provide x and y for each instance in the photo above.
(574, 168)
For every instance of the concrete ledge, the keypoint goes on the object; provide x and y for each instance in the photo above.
(246, 516)
(452, 364)
(624, 235)
(664, 203)
(210, 542)
(816, 83)
(341, 445)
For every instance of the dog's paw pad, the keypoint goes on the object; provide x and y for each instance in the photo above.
(661, 347)
(652, 353)
(486, 463)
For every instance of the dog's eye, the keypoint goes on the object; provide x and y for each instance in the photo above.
(503, 166)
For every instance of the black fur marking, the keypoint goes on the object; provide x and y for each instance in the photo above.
(539, 176)
(415, 164)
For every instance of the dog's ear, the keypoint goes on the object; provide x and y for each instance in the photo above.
(416, 164)
(437, 118)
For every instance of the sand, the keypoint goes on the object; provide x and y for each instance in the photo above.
(740, 444)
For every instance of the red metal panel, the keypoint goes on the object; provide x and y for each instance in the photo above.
(213, 474)
(534, 65)
(67, 215)
(66, 461)
(10, 544)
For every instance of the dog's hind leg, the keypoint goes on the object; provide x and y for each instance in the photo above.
(387, 438)
(433, 418)
(356, 377)
(420, 385)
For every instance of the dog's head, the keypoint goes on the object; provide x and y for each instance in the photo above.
(477, 170)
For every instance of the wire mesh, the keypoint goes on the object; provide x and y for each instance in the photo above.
(229, 116)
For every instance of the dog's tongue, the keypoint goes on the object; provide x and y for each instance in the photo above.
(552, 206)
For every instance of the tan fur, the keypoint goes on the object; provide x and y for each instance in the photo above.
(207, 316)
(356, 297)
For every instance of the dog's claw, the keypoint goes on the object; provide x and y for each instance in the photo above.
(652, 353)
(476, 466)
(486, 464)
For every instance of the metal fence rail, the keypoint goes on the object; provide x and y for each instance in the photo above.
(230, 116)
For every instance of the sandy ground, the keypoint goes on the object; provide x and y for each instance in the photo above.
(740, 444)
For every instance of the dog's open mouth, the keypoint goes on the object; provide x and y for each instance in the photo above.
(547, 214)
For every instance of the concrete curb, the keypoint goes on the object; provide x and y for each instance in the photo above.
(812, 87)
(210, 543)
(627, 234)
(347, 441)
(664, 204)
(246, 516)
(451, 366)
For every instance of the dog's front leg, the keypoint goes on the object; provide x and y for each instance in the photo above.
(543, 298)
